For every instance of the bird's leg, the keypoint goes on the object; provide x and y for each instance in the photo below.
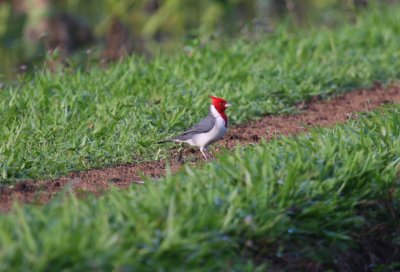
(202, 149)
(208, 153)
(209, 156)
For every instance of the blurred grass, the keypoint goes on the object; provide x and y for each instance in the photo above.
(314, 199)
(74, 120)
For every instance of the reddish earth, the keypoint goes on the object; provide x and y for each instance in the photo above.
(312, 113)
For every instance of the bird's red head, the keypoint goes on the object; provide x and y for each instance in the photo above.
(220, 104)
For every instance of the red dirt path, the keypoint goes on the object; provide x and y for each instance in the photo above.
(313, 113)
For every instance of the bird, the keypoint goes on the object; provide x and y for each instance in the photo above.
(209, 130)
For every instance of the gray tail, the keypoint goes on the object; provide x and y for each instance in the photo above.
(164, 141)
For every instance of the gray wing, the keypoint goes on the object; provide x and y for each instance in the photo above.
(204, 126)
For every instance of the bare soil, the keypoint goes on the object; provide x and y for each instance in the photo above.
(311, 114)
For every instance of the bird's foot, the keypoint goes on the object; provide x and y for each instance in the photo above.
(207, 156)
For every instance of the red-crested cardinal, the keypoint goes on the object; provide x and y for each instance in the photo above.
(209, 130)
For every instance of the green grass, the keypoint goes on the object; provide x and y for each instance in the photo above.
(309, 199)
(52, 124)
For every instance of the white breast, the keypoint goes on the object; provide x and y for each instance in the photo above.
(216, 133)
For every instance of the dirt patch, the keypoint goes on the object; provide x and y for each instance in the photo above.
(312, 113)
